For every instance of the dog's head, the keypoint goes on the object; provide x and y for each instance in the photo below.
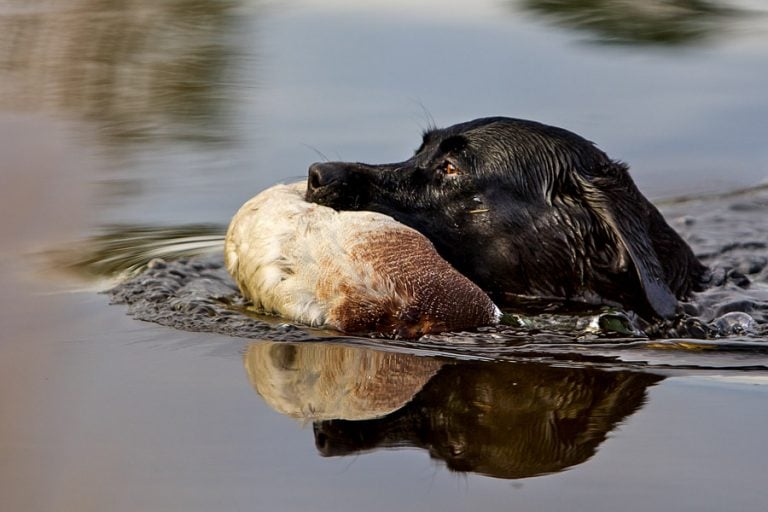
(523, 208)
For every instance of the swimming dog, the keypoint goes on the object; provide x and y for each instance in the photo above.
(526, 210)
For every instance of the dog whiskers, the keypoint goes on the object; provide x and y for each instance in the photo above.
(318, 152)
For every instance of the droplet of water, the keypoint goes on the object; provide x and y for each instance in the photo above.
(735, 322)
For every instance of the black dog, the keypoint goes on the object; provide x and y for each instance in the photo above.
(526, 210)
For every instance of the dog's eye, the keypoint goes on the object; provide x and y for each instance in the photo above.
(450, 169)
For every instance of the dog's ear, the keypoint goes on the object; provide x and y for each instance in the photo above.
(614, 198)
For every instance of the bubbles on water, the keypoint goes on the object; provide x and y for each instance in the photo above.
(735, 323)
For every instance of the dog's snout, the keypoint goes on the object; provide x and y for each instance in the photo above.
(324, 175)
(340, 185)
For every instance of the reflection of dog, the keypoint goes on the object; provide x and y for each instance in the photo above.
(522, 208)
(357, 272)
(508, 420)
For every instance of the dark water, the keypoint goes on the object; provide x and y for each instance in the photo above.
(133, 130)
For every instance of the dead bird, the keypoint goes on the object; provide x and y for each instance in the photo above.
(354, 271)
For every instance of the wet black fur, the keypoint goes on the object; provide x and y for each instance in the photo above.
(532, 210)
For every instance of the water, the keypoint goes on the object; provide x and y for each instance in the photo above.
(127, 118)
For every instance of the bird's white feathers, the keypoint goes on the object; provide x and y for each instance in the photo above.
(315, 265)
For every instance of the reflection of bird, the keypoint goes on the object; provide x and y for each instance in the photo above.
(316, 381)
(357, 272)
(506, 420)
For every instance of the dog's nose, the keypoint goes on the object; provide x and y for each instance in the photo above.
(325, 174)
